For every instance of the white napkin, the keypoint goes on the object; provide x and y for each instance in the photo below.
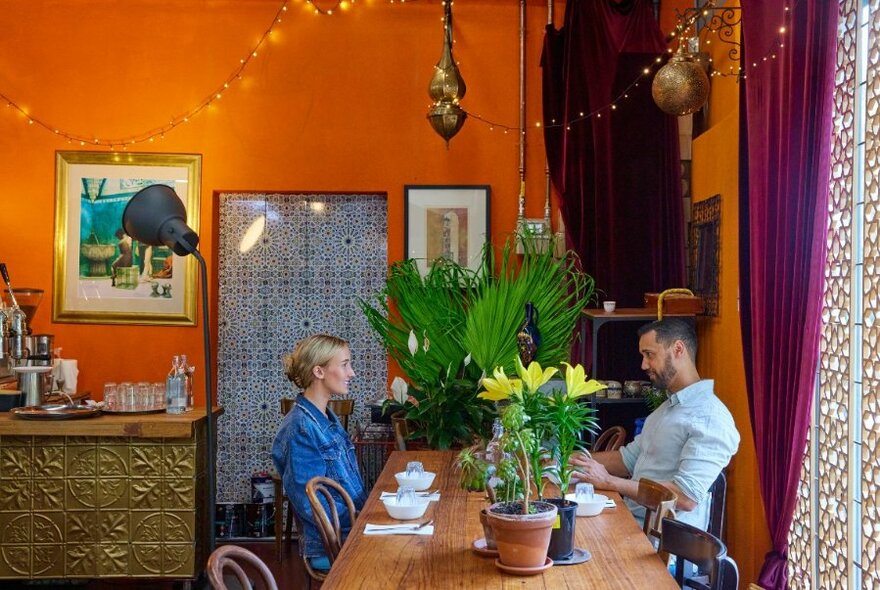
(435, 497)
(609, 503)
(66, 370)
(398, 529)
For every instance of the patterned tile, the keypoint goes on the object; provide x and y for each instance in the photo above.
(319, 253)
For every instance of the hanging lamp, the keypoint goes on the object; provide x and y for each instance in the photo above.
(447, 87)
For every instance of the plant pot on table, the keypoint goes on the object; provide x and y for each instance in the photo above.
(522, 539)
(562, 536)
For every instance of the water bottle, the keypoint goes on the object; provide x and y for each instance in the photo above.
(175, 389)
(493, 448)
(187, 372)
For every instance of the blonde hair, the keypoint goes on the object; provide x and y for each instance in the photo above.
(313, 351)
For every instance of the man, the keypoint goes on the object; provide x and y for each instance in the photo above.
(684, 444)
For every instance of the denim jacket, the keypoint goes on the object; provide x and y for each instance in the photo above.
(310, 443)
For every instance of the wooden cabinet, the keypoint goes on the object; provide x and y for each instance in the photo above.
(111, 496)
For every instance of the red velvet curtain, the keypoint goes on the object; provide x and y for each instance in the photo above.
(785, 157)
(618, 171)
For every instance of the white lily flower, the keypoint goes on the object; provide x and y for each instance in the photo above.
(467, 360)
(426, 345)
(399, 390)
(412, 343)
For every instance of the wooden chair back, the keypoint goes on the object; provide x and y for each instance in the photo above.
(228, 557)
(707, 552)
(718, 506)
(401, 429)
(328, 525)
(611, 439)
(659, 502)
(343, 408)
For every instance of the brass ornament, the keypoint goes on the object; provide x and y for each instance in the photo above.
(681, 87)
(446, 87)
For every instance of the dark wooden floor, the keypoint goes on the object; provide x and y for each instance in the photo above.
(289, 575)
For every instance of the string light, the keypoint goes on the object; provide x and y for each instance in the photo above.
(159, 132)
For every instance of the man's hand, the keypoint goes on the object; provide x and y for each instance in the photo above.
(590, 471)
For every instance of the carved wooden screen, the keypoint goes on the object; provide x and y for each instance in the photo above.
(835, 531)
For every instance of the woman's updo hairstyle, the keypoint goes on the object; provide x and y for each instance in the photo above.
(313, 351)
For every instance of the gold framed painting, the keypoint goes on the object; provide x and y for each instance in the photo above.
(102, 275)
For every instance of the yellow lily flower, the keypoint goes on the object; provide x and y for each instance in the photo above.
(534, 377)
(576, 383)
(501, 387)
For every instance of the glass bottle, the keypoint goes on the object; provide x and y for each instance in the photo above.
(187, 372)
(175, 394)
(493, 448)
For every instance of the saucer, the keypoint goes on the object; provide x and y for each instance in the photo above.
(523, 571)
(479, 547)
(577, 556)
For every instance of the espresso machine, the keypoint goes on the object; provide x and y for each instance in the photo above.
(24, 357)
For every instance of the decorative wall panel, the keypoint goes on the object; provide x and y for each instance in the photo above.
(316, 255)
(85, 507)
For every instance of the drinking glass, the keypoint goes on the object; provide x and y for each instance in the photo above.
(127, 397)
(111, 397)
(406, 496)
(158, 396)
(414, 469)
(584, 492)
(144, 399)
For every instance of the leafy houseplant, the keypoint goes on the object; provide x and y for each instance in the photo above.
(532, 419)
(446, 330)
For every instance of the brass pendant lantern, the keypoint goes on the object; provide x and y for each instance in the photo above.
(681, 87)
(447, 87)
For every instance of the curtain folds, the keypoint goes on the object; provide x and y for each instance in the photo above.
(617, 172)
(785, 158)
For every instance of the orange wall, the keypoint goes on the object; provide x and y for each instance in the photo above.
(331, 103)
(715, 171)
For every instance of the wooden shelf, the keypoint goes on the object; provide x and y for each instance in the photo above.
(159, 425)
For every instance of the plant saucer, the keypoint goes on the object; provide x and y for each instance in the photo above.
(577, 556)
(523, 571)
(479, 547)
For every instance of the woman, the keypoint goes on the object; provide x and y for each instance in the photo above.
(311, 440)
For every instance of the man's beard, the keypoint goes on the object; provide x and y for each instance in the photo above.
(667, 373)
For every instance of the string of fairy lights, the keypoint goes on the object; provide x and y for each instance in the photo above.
(158, 133)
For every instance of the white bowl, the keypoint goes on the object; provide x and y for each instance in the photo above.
(417, 483)
(589, 508)
(407, 512)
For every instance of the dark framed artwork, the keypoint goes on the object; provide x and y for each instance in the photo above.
(704, 251)
(449, 222)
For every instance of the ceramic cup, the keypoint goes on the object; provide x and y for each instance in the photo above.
(609, 306)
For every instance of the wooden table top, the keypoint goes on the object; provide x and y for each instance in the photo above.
(158, 425)
(622, 556)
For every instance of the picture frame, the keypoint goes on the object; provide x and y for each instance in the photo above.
(704, 252)
(446, 221)
(102, 276)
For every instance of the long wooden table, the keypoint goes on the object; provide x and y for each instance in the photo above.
(622, 556)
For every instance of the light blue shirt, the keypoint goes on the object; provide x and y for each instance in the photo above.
(688, 440)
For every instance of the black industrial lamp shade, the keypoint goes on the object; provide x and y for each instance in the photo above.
(156, 216)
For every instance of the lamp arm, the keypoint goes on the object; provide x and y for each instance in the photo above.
(209, 401)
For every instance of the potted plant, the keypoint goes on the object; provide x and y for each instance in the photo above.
(564, 419)
(431, 325)
(521, 527)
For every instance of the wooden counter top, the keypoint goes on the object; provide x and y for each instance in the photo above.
(159, 425)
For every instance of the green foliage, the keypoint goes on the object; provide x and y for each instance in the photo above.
(565, 418)
(558, 289)
(654, 397)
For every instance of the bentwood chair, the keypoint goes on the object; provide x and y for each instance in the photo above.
(718, 492)
(690, 544)
(343, 408)
(659, 503)
(329, 525)
(611, 439)
(227, 557)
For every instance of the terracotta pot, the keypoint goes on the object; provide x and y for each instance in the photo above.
(562, 534)
(488, 533)
(522, 539)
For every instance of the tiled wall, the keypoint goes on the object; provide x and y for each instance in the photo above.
(318, 254)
